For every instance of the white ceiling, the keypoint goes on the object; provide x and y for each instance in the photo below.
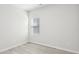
(28, 7)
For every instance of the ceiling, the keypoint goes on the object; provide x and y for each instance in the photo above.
(29, 7)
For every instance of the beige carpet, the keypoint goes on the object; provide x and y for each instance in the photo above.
(32, 48)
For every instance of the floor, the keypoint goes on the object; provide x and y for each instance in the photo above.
(32, 48)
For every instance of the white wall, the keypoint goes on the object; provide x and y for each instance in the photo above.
(13, 26)
(59, 27)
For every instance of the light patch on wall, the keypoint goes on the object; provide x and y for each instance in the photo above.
(35, 25)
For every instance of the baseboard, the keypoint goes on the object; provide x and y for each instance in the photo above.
(40, 44)
(72, 51)
(13, 46)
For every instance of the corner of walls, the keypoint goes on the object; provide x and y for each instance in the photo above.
(28, 26)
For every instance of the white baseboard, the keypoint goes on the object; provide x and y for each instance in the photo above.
(77, 52)
(72, 51)
(13, 46)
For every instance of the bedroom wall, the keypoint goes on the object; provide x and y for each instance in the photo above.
(59, 27)
(13, 27)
